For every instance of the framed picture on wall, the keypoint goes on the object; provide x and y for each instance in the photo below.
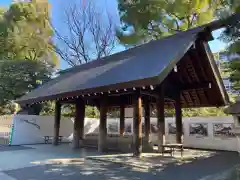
(199, 130)
(128, 128)
(223, 130)
(113, 127)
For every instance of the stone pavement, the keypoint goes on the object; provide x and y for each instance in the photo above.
(45, 162)
(154, 160)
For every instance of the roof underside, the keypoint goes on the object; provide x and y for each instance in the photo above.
(149, 64)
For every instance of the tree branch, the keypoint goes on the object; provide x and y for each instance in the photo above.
(89, 36)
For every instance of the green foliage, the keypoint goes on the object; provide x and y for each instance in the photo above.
(68, 110)
(17, 77)
(144, 20)
(26, 34)
(7, 109)
(203, 112)
(194, 112)
(232, 36)
(48, 109)
(92, 112)
(27, 58)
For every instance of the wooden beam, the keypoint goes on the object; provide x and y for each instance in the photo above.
(103, 125)
(57, 123)
(147, 119)
(78, 132)
(155, 95)
(160, 120)
(137, 124)
(178, 119)
(195, 86)
(81, 104)
(218, 24)
(122, 119)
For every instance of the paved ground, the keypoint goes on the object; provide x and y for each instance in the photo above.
(45, 162)
(13, 148)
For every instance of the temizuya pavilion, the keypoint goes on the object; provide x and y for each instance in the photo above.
(176, 72)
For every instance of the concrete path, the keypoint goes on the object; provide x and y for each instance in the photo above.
(45, 162)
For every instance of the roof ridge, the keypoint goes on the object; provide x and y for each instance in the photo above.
(104, 61)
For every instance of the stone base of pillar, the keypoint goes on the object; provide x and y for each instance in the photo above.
(81, 143)
(55, 141)
(75, 144)
(101, 146)
(147, 146)
(161, 141)
(100, 149)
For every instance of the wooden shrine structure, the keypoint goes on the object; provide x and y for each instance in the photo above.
(175, 72)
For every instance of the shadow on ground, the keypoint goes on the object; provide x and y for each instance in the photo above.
(94, 170)
(13, 148)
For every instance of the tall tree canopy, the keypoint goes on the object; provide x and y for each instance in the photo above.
(232, 36)
(26, 33)
(144, 20)
(26, 55)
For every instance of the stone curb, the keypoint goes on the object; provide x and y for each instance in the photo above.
(120, 163)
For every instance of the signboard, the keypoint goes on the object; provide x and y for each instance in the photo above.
(198, 130)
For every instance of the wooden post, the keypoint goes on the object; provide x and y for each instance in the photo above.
(137, 124)
(122, 119)
(78, 131)
(102, 126)
(57, 123)
(179, 127)
(160, 120)
(147, 120)
(81, 118)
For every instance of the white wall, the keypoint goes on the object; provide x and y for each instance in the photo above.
(5, 126)
(25, 133)
(30, 129)
(210, 141)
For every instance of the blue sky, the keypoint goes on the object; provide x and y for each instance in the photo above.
(58, 6)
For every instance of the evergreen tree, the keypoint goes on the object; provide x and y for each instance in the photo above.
(144, 20)
(232, 36)
(26, 56)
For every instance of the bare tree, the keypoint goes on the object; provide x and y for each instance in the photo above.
(90, 34)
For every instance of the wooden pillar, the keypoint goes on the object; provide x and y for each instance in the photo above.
(56, 123)
(82, 118)
(78, 129)
(122, 119)
(147, 120)
(160, 120)
(137, 124)
(102, 126)
(179, 127)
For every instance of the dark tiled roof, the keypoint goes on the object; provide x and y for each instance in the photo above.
(149, 63)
